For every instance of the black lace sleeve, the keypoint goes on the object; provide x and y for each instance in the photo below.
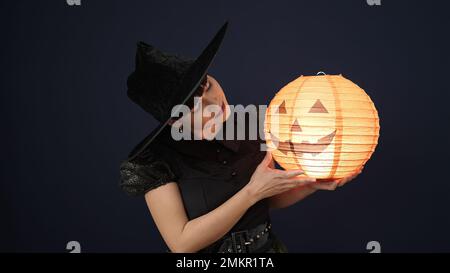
(140, 176)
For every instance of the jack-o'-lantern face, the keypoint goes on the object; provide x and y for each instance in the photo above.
(306, 124)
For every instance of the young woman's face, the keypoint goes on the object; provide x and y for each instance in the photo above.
(212, 95)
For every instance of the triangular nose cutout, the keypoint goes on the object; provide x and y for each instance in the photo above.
(296, 126)
(318, 108)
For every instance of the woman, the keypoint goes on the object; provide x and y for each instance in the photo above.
(204, 195)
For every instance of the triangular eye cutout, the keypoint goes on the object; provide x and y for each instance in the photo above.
(318, 108)
(296, 127)
(281, 109)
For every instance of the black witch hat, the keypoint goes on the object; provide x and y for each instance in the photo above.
(161, 81)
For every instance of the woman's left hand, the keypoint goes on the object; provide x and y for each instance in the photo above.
(332, 185)
(291, 197)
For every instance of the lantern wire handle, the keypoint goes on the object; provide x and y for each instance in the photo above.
(321, 73)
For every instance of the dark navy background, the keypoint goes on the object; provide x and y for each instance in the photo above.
(66, 122)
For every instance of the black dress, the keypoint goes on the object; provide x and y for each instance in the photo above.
(208, 173)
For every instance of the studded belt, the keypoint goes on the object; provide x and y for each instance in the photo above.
(246, 241)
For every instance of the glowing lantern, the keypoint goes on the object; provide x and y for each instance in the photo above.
(325, 125)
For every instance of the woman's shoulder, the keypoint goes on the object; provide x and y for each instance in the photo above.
(145, 172)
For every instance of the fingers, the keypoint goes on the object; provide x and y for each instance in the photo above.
(304, 180)
(286, 173)
(267, 159)
(272, 164)
(296, 182)
(347, 179)
(330, 186)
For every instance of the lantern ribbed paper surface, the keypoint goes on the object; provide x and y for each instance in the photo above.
(325, 125)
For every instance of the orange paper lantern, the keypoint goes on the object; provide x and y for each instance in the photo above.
(325, 125)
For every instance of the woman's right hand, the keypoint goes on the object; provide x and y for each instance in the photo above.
(267, 181)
